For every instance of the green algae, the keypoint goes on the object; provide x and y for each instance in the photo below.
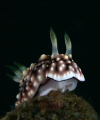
(54, 106)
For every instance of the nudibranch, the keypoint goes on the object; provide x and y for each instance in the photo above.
(50, 73)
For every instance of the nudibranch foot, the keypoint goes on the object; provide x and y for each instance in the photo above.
(53, 85)
(56, 72)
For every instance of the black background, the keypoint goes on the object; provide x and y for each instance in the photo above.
(25, 31)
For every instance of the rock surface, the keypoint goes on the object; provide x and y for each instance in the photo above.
(54, 106)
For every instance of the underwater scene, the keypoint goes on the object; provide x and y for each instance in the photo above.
(50, 61)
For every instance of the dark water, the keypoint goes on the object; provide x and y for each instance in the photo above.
(26, 36)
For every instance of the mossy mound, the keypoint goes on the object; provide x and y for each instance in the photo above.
(54, 106)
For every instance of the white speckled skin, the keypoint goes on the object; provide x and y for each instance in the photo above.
(50, 73)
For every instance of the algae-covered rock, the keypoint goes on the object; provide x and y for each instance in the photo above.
(54, 106)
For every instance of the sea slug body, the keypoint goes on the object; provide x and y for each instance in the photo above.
(50, 73)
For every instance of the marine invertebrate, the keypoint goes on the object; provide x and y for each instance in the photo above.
(50, 73)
